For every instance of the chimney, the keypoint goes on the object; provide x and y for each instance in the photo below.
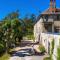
(52, 6)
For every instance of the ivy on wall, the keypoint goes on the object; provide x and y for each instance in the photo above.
(58, 53)
(52, 44)
(52, 48)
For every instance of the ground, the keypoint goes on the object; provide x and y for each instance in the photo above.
(25, 52)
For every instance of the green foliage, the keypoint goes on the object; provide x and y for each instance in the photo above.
(5, 57)
(52, 48)
(10, 30)
(41, 48)
(13, 28)
(47, 58)
(29, 24)
(12, 15)
(58, 53)
(30, 37)
(1, 48)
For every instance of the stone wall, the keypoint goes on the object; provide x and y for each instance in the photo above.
(46, 39)
(56, 39)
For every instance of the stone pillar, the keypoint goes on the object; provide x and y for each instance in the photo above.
(52, 27)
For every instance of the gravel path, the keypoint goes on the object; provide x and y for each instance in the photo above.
(25, 53)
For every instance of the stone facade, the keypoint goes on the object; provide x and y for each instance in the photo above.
(48, 21)
(42, 26)
(47, 24)
(46, 40)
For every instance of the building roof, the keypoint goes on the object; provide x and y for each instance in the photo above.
(49, 12)
(52, 10)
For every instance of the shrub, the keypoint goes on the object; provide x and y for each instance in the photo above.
(30, 37)
(1, 48)
(52, 48)
(5, 56)
(47, 58)
(41, 48)
(58, 53)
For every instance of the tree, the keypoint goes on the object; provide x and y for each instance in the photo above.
(17, 28)
(29, 23)
(12, 15)
(12, 28)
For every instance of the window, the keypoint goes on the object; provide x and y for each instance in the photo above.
(46, 17)
(57, 29)
(57, 17)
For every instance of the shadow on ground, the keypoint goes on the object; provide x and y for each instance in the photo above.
(27, 43)
(26, 52)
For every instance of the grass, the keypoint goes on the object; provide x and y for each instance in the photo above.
(47, 58)
(5, 57)
(41, 48)
(58, 53)
(30, 37)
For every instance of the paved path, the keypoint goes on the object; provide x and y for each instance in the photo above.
(25, 53)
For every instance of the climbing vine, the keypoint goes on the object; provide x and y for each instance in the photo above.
(58, 53)
(52, 44)
(52, 48)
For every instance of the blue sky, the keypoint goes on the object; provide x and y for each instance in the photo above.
(24, 6)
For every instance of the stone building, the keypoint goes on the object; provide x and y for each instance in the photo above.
(48, 21)
(47, 26)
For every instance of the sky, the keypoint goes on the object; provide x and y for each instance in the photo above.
(24, 6)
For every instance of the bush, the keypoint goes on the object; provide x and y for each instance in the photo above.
(41, 48)
(30, 37)
(47, 58)
(1, 48)
(58, 53)
(5, 56)
(52, 46)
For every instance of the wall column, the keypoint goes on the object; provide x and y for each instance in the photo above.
(52, 27)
